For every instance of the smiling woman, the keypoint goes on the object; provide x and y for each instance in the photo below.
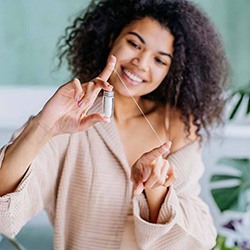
(141, 51)
(85, 168)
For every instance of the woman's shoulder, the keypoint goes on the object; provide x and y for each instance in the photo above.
(178, 133)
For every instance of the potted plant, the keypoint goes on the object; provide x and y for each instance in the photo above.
(231, 187)
(232, 196)
(241, 97)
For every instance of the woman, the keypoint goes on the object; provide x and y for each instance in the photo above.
(114, 183)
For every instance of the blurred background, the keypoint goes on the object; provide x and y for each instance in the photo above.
(29, 31)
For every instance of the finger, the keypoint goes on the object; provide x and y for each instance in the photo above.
(157, 184)
(155, 174)
(90, 95)
(89, 120)
(146, 172)
(171, 176)
(149, 157)
(106, 73)
(136, 173)
(92, 90)
(139, 188)
(164, 172)
(169, 181)
(163, 175)
(164, 156)
(101, 84)
(78, 89)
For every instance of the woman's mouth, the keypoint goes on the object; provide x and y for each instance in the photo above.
(134, 79)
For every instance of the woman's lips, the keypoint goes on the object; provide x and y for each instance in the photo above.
(131, 77)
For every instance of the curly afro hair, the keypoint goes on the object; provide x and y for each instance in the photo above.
(199, 70)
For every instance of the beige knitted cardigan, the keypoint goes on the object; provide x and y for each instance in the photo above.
(83, 182)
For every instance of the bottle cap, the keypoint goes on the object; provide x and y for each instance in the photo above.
(108, 93)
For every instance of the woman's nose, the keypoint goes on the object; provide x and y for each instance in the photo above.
(142, 61)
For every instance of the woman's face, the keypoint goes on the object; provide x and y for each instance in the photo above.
(143, 51)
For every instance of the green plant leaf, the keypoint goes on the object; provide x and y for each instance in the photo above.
(234, 162)
(236, 107)
(241, 164)
(230, 198)
(221, 244)
(240, 93)
(248, 105)
(221, 177)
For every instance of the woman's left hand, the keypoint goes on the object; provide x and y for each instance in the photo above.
(152, 170)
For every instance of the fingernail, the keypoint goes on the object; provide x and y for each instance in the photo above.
(165, 146)
(108, 85)
(112, 59)
(168, 144)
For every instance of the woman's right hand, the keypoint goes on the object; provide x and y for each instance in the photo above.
(66, 111)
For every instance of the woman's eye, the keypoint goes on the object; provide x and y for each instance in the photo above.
(133, 44)
(158, 60)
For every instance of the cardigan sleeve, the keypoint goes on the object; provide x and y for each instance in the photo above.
(184, 220)
(33, 193)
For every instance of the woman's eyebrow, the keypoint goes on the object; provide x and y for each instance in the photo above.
(143, 41)
(137, 35)
(166, 54)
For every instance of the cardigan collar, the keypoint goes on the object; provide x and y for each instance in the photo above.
(110, 134)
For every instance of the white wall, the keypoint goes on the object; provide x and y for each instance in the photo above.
(18, 103)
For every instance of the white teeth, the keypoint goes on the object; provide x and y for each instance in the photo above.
(132, 76)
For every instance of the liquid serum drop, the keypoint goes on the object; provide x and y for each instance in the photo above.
(108, 103)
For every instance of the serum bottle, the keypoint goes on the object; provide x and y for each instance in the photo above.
(108, 103)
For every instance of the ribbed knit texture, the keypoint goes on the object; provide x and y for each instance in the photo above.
(83, 182)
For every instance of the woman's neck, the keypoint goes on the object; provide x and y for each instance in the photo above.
(125, 108)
